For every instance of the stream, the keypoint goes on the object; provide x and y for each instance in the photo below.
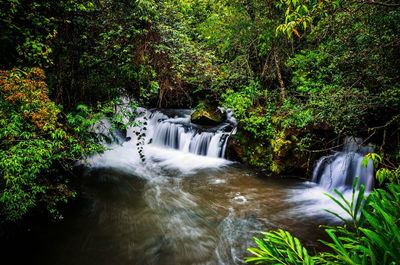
(185, 204)
(207, 217)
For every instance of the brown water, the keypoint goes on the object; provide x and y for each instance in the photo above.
(207, 217)
(175, 208)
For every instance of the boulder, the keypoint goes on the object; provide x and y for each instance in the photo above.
(234, 150)
(207, 116)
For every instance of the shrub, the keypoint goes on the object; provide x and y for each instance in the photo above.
(36, 145)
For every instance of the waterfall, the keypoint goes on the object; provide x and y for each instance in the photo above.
(172, 129)
(340, 170)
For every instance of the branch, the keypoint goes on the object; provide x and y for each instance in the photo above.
(386, 124)
(324, 150)
(372, 2)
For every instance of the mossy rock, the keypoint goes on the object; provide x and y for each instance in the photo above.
(207, 116)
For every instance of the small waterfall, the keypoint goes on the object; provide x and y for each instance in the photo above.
(173, 129)
(200, 143)
(168, 134)
(339, 170)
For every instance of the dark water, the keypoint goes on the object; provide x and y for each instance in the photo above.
(208, 217)
(176, 208)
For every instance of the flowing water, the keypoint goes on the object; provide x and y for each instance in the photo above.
(342, 168)
(183, 205)
(206, 217)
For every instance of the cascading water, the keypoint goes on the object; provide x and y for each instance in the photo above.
(339, 171)
(336, 171)
(183, 205)
(179, 133)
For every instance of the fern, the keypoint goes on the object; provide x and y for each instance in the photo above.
(279, 247)
(372, 236)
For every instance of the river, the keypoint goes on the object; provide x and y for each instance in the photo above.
(174, 208)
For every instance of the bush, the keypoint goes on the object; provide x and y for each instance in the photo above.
(34, 141)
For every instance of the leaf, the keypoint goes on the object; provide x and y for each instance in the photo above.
(374, 237)
(296, 32)
(376, 159)
(279, 247)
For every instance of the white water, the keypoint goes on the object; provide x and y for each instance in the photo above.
(169, 143)
(337, 171)
(340, 170)
(174, 144)
(177, 207)
(179, 133)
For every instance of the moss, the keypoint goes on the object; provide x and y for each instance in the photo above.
(207, 115)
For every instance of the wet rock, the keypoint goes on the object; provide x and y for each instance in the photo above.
(234, 150)
(207, 116)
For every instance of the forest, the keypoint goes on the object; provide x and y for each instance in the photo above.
(300, 77)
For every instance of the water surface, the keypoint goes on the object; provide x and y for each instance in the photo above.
(174, 208)
(207, 215)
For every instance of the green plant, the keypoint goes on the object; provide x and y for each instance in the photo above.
(352, 207)
(299, 14)
(370, 236)
(385, 174)
(36, 148)
(279, 247)
(382, 215)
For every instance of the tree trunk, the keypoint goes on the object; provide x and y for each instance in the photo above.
(282, 89)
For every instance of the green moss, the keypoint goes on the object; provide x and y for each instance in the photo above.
(207, 115)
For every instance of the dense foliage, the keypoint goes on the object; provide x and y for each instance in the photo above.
(339, 72)
(36, 145)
